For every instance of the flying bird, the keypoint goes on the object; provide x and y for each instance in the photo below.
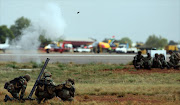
(78, 12)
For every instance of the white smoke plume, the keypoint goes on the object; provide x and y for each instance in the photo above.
(50, 21)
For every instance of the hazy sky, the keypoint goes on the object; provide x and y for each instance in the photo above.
(136, 19)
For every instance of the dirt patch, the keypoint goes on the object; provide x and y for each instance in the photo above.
(127, 98)
(132, 70)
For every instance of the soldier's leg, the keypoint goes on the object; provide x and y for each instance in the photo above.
(15, 96)
(166, 64)
(70, 99)
(135, 63)
(7, 98)
(141, 63)
(177, 65)
(149, 64)
(39, 100)
(40, 97)
(160, 64)
(66, 95)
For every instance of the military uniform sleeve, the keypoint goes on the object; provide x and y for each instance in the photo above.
(24, 85)
(52, 82)
(135, 58)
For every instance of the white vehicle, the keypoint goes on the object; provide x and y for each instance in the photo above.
(5, 45)
(80, 49)
(123, 48)
(132, 50)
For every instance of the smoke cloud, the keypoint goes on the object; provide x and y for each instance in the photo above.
(49, 22)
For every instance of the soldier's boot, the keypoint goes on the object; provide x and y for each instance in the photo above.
(176, 67)
(149, 67)
(161, 67)
(45, 100)
(168, 67)
(7, 98)
(39, 100)
(137, 67)
(141, 67)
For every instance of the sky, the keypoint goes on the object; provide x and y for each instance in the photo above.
(99, 19)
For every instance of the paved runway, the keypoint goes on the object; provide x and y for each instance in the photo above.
(66, 58)
(77, 58)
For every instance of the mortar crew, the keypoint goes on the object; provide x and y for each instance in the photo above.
(68, 90)
(173, 59)
(138, 60)
(148, 61)
(15, 86)
(156, 62)
(163, 61)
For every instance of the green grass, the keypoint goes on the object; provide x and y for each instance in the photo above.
(87, 73)
(99, 79)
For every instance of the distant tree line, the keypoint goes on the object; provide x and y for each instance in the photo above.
(15, 31)
(152, 41)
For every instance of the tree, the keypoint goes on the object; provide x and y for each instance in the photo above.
(126, 40)
(105, 40)
(157, 42)
(44, 41)
(5, 33)
(171, 42)
(20, 24)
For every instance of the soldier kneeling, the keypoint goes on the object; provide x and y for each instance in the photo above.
(66, 90)
(138, 61)
(15, 86)
(156, 62)
(147, 61)
(45, 88)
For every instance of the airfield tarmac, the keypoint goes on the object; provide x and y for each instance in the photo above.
(78, 58)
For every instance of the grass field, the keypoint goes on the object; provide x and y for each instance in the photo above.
(101, 84)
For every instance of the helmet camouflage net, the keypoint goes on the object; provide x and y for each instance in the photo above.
(156, 55)
(27, 76)
(139, 52)
(72, 81)
(47, 74)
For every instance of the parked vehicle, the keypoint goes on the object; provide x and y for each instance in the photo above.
(51, 47)
(65, 47)
(172, 47)
(124, 48)
(82, 49)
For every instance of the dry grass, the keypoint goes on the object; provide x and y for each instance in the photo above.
(92, 80)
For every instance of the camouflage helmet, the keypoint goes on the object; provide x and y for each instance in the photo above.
(71, 80)
(156, 55)
(139, 52)
(161, 55)
(27, 77)
(148, 54)
(47, 74)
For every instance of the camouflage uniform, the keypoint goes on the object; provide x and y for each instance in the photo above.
(163, 61)
(138, 60)
(15, 86)
(156, 62)
(67, 91)
(45, 86)
(173, 60)
(147, 61)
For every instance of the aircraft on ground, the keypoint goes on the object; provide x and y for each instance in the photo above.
(5, 46)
